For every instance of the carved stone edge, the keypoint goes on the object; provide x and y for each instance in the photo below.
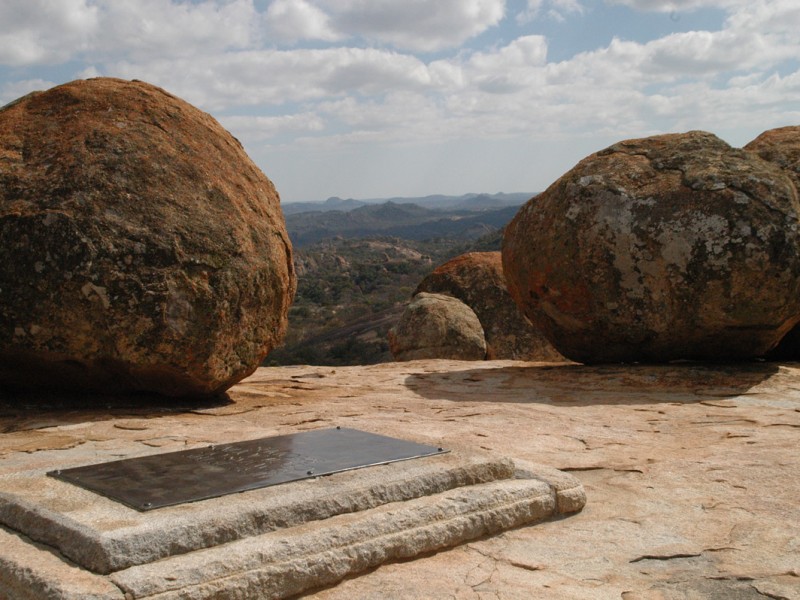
(299, 559)
(30, 571)
(283, 564)
(194, 526)
(569, 492)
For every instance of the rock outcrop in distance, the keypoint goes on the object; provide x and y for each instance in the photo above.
(437, 326)
(670, 247)
(140, 247)
(476, 278)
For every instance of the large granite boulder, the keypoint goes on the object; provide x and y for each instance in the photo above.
(670, 247)
(437, 326)
(477, 279)
(782, 147)
(140, 248)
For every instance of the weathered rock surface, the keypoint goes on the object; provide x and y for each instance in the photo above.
(477, 279)
(782, 147)
(437, 326)
(690, 471)
(675, 246)
(140, 248)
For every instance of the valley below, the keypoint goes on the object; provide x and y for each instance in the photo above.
(358, 265)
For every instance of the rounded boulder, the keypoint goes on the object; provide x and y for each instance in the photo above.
(141, 249)
(782, 148)
(669, 247)
(476, 278)
(437, 326)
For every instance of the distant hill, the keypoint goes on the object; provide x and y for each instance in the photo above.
(470, 202)
(351, 292)
(358, 262)
(407, 221)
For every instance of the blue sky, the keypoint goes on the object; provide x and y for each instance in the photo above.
(381, 98)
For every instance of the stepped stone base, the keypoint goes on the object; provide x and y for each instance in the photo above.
(63, 542)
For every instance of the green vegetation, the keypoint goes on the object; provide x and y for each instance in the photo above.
(352, 291)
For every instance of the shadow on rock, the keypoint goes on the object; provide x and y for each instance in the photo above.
(590, 385)
(23, 410)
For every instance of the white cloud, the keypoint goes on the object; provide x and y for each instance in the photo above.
(772, 17)
(418, 25)
(667, 6)
(295, 20)
(530, 13)
(164, 28)
(557, 10)
(560, 9)
(55, 31)
(255, 128)
(511, 68)
(44, 31)
(351, 90)
(365, 95)
(707, 53)
(281, 76)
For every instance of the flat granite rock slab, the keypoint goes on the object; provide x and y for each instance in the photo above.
(275, 542)
(691, 470)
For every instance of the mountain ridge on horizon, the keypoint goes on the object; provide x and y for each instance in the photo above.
(401, 220)
(469, 201)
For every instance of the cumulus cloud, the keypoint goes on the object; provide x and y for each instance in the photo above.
(165, 28)
(369, 93)
(44, 31)
(256, 128)
(52, 32)
(509, 69)
(55, 31)
(771, 17)
(418, 25)
(295, 20)
(553, 9)
(367, 79)
(282, 76)
(667, 6)
(560, 9)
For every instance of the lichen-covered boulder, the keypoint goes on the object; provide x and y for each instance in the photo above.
(782, 147)
(477, 279)
(437, 326)
(140, 248)
(669, 247)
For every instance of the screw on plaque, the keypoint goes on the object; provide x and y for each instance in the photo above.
(310, 472)
(147, 505)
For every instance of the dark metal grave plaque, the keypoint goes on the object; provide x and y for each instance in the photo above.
(159, 480)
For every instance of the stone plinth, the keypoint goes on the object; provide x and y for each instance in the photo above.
(273, 542)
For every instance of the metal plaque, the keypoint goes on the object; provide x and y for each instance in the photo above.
(159, 480)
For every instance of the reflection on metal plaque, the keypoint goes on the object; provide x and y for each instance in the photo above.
(174, 478)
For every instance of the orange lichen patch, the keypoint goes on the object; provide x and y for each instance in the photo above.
(663, 248)
(140, 247)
